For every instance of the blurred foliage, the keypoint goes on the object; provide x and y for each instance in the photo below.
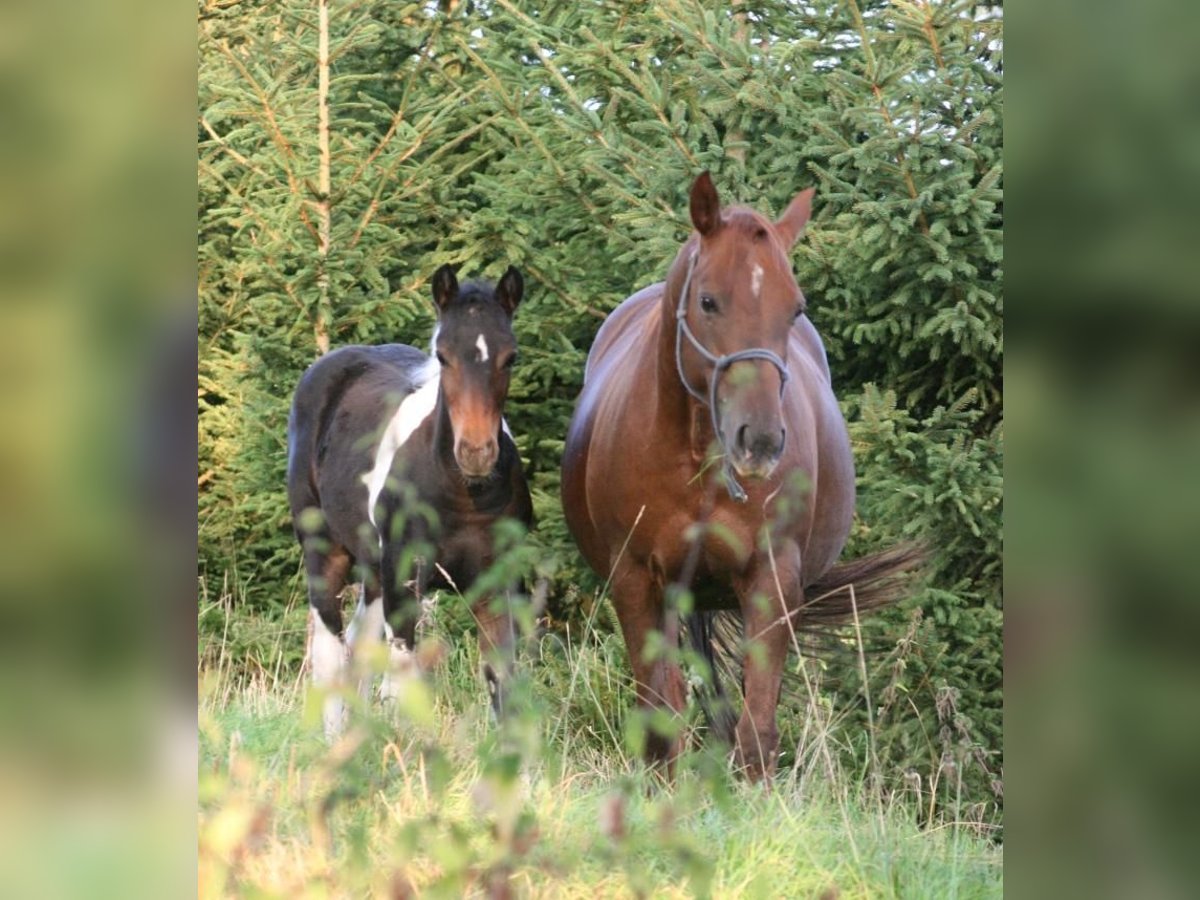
(434, 799)
(562, 138)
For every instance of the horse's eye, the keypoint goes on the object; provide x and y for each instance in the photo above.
(800, 310)
(511, 361)
(441, 358)
(708, 303)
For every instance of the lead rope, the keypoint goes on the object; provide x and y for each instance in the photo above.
(719, 364)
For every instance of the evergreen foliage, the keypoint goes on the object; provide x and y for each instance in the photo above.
(562, 138)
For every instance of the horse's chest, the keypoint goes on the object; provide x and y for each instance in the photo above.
(721, 548)
(463, 551)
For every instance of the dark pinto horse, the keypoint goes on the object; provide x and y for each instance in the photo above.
(377, 438)
(707, 449)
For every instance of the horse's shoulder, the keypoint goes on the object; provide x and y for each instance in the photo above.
(358, 387)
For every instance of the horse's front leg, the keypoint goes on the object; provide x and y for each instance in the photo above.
(364, 636)
(768, 637)
(497, 644)
(638, 600)
(402, 593)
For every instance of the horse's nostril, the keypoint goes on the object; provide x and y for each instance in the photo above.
(760, 444)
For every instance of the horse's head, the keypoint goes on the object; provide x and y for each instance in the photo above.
(476, 350)
(736, 302)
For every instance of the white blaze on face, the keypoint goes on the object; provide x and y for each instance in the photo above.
(756, 275)
(414, 410)
(328, 655)
(482, 347)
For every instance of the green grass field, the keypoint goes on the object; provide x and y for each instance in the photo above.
(433, 799)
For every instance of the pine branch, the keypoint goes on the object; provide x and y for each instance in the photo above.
(275, 133)
(224, 145)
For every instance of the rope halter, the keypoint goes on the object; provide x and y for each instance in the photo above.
(720, 364)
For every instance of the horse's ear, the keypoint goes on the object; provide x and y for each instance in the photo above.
(705, 205)
(791, 224)
(445, 286)
(510, 290)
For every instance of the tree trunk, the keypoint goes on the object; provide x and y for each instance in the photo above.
(324, 226)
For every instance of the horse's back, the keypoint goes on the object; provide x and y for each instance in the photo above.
(344, 399)
(804, 334)
(816, 419)
(632, 319)
(625, 341)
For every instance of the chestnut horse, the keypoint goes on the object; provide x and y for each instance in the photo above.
(401, 464)
(707, 449)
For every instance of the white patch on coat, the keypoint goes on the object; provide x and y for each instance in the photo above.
(413, 410)
(756, 275)
(328, 656)
(482, 347)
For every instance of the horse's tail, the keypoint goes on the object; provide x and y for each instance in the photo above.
(861, 585)
(717, 653)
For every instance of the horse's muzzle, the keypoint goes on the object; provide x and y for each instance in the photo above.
(477, 460)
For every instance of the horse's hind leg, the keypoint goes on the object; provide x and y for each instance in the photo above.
(497, 644)
(327, 568)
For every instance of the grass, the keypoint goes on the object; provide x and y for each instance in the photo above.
(433, 799)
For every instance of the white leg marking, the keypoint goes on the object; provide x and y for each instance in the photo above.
(756, 275)
(328, 655)
(482, 347)
(414, 410)
(364, 634)
(402, 667)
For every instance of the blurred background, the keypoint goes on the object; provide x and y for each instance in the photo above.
(1103, 151)
(98, 279)
(97, 510)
